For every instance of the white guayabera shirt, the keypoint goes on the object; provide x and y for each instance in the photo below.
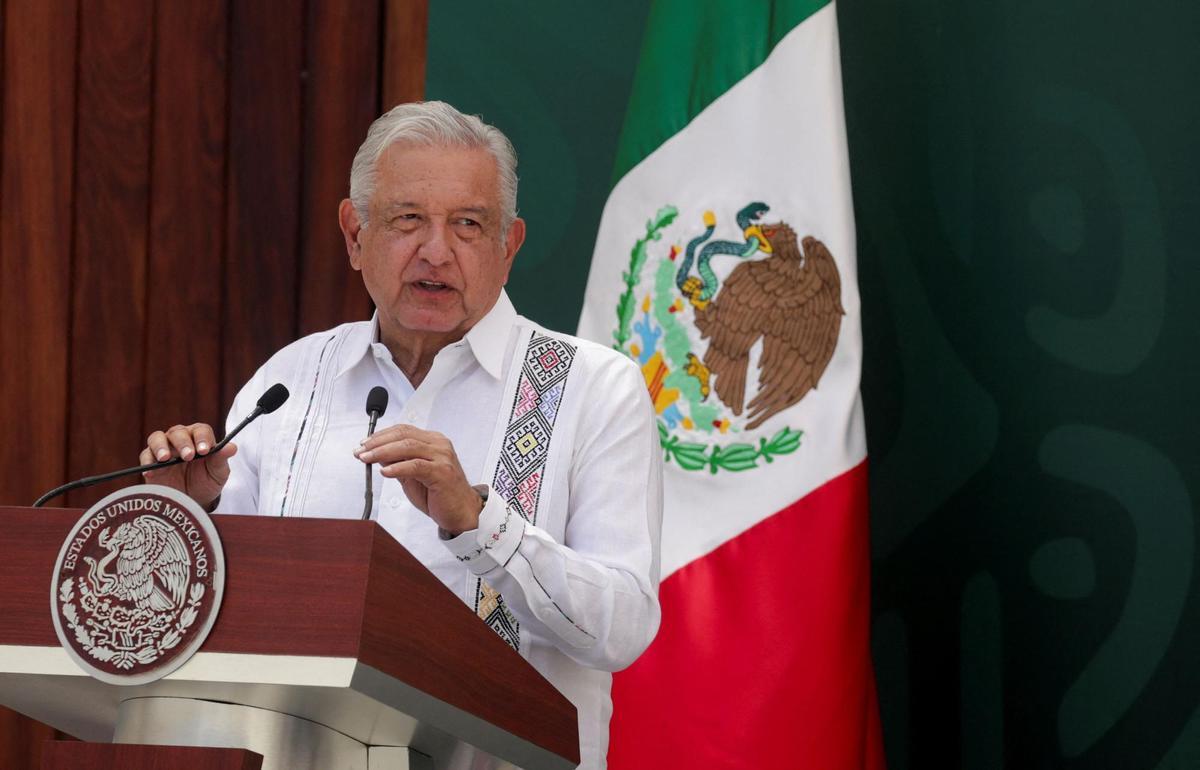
(581, 580)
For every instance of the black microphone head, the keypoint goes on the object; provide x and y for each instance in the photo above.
(377, 400)
(273, 399)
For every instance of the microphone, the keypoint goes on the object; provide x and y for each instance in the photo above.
(377, 401)
(268, 402)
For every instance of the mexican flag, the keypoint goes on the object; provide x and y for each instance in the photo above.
(725, 267)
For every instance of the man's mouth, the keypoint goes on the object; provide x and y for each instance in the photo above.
(431, 286)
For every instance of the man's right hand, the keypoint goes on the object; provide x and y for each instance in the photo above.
(201, 475)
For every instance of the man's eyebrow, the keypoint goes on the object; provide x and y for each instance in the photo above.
(481, 211)
(395, 205)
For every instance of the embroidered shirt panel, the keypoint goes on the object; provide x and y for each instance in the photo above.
(594, 545)
(522, 464)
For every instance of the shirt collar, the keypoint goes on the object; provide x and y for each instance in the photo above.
(488, 339)
(358, 344)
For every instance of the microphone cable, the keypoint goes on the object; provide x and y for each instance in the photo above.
(268, 402)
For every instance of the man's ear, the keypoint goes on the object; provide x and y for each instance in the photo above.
(512, 243)
(351, 229)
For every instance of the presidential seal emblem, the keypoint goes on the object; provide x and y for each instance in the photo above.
(137, 585)
(704, 315)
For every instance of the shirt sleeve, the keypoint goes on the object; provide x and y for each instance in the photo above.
(594, 596)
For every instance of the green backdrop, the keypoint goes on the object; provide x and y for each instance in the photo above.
(1027, 190)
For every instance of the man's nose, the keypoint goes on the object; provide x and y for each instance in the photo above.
(436, 248)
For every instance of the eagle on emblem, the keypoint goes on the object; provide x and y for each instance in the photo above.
(792, 301)
(152, 565)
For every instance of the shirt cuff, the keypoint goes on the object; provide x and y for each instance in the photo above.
(494, 542)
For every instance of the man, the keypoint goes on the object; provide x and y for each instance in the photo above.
(519, 465)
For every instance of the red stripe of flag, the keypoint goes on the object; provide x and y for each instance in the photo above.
(763, 659)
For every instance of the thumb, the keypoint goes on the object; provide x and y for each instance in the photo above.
(416, 493)
(218, 462)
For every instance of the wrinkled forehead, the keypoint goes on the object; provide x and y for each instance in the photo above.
(406, 159)
(433, 173)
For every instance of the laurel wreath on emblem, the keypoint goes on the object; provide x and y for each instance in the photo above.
(789, 300)
(145, 634)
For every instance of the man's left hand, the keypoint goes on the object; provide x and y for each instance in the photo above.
(429, 472)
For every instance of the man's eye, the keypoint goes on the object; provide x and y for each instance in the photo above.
(406, 221)
(465, 222)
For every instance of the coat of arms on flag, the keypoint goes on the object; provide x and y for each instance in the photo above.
(728, 332)
(733, 286)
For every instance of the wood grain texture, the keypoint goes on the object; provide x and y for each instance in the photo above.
(76, 755)
(26, 541)
(337, 587)
(405, 43)
(189, 161)
(418, 631)
(262, 203)
(187, 215)
(23, 740)
(28, 538)
(112, 193)
(292, 586)
(342, 51)
(36, 166)
(35, 244)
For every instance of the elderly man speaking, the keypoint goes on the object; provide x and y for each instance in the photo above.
(520, 465)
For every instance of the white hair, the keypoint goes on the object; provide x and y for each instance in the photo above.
(432, 124)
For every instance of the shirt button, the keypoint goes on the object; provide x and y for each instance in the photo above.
(394, 502)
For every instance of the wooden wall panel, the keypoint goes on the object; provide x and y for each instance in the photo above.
(335, 121)
(263, 198)
(102, 756)
(37, 170)
(217, 137)
(405, 24)
(154, 252)
(37, 162)
(112, 194)
(187, 215)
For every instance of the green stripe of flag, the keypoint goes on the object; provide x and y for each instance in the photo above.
(692, 53)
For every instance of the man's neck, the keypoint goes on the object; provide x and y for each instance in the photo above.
(414, 353)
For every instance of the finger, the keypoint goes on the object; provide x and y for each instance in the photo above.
(218, 462)
(146, 457)
(410, 442)
(417, 469)
(181, 441)
(158, 445)
(401, 449)
(202, 434)
(390, 433)
(397, 432)
(416, 493)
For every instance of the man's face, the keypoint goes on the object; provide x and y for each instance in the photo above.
(433, 254)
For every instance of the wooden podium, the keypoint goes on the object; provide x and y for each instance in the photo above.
(334, 647)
